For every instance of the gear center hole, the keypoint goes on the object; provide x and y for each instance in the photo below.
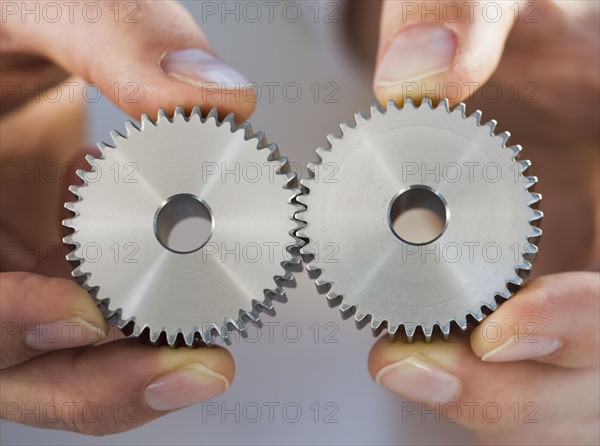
(418, 215)
(183, 223)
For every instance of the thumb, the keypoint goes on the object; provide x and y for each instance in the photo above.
(439, 49)
(141, 55)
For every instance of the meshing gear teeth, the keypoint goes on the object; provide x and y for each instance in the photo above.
(480, 258)
(184, 298)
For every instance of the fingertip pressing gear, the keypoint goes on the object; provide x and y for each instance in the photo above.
(153, 178)
(444, 162)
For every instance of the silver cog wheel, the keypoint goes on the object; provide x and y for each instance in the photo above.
(381, 278)
(184, 298)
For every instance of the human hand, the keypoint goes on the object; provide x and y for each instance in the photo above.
(527, 375)
(537, 75)
(53, 372)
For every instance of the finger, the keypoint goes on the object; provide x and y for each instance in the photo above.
(143, 56)
(113, 387)
(554, 319)
(486, 397)
(40, 314)
(438, 49)
(20, 70)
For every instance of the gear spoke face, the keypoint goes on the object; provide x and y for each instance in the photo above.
(382, 177)
(232, 192)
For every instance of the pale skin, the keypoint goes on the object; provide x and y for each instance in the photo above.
(559, 308)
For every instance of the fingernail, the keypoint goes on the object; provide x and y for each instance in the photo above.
(522, 347)
(68, 333)
(419, 380)
(183, 387)
(199, 67)
(417, 53)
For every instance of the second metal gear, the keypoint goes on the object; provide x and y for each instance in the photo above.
(456, 166)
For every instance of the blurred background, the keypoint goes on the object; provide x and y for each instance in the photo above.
(303, 378)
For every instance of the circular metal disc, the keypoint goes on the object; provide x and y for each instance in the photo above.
(134, 276)
(484, 246)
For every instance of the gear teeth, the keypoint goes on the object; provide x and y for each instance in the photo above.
(162, 116)
(262, 141)
(530, 249)
(146, 122)
(524, 165)
(460, 108)
(332, 295)
(491, 125)
(138, 329)
(322, 154)
(428, 331)
(246, 128)
(130, 128)
(267, 304)
(408, 102)
(71, 257)
(391, 105)
(376, 324)
(154, 336)
(359, 317)
(478, 313)
(322, 282)
(289, 177)
(69, 223)
(301, 198)
(530, 181)
(535, 198)
(516, 151)
(70, 206)
(230, 119)
(445, 105)
(346, 127)
(344, 307)
(427, 103)
(359, 118)
(375, 110)
(103, 147)
(535, 233)
(518, 281)
(492, 306)
(196, 112)
(332, 138)
(74, 189)
(81, 174)
(393, 330)
(116, 136)
(237, 324)
(253, 317)
(524, 265)
(273, 152)
(446, 331)
(179, 112)
(504, 136)
(537, 215)
(476, 115)
(91, 159)
(171, 339)
(77, 272)
(212, 114)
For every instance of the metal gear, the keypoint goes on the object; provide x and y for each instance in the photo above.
(478, 260)
(170, 296)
